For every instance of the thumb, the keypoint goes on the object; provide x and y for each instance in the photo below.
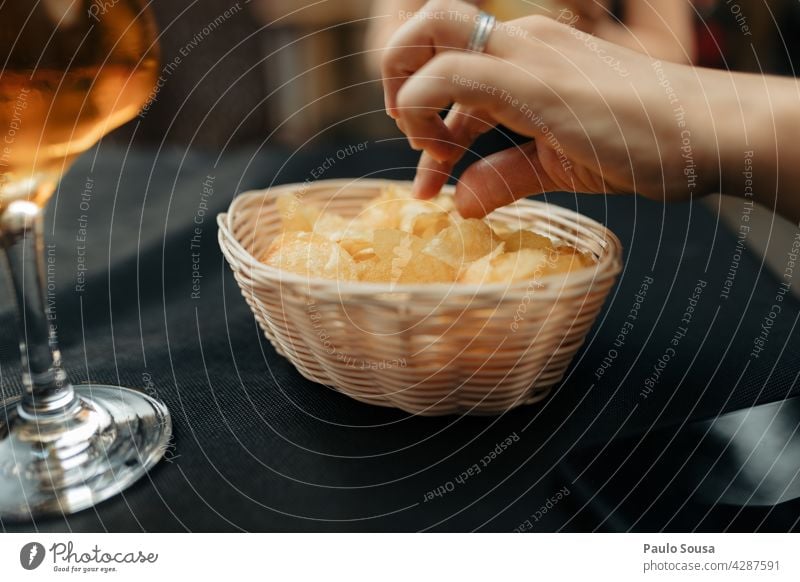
(502, 178)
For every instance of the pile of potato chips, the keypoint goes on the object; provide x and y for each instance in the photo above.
(399, 239)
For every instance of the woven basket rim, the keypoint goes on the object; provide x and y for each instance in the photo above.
(609, 263)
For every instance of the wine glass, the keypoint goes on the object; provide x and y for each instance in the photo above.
(71, 71)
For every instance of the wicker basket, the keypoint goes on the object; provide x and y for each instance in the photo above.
(427, 349)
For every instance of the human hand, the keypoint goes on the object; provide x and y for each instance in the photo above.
(604, 119)
(584, 15)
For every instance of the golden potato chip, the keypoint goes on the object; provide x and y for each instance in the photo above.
(477, 271)
(391, 243)
(309, 254)
(383, 211)
(374, 270)
(465, 241)
(429, 224)
(335, 227)
(417, 268)
(525, 239)
(294, 214)
(423, 268)
(359, 249)
(402, 193)
(519, 265)
(507, 267)
(411, 210)
(567, 259)
(396, 209)
(399, 259)
(398, 239)
(498, 227)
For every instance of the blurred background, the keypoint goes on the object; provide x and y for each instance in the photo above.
(286, 70)
(287, 73)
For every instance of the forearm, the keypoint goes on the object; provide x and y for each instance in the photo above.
(656, 42)
(758, 128)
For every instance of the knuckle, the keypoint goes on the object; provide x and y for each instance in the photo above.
(448, 62)
(541, 21)
(539, 24)
(405, 95)
(387, 65)
(474, 131)
(479, 177)
(439, 6)
(411, 95)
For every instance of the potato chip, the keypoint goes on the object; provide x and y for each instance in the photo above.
(399, 239)
(507, 267)
(501, 229)
(525, 239)
(357, 248)
(417, 268)
(423, 268)
(390, 243)
(440, 203)
(399, 259)
(383, 211)
(429, 224)
(335, 227)
(567, 259)
(478, 271)
(465, 241)
(311, 255)
(396, 209)
(294, 214)
(412, 210)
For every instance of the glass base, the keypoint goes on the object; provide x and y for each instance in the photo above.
(111, 438)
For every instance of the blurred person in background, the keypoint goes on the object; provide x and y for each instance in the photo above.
(663, 29)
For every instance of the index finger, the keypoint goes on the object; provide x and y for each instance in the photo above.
(439, 26)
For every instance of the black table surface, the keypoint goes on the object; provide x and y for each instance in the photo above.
(259, 448)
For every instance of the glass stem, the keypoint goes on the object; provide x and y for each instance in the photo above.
(47, 392)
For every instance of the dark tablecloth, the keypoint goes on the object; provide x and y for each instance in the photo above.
(257, 447)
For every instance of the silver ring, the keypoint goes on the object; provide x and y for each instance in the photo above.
(480, 34)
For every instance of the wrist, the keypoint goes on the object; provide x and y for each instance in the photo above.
(759, 145)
